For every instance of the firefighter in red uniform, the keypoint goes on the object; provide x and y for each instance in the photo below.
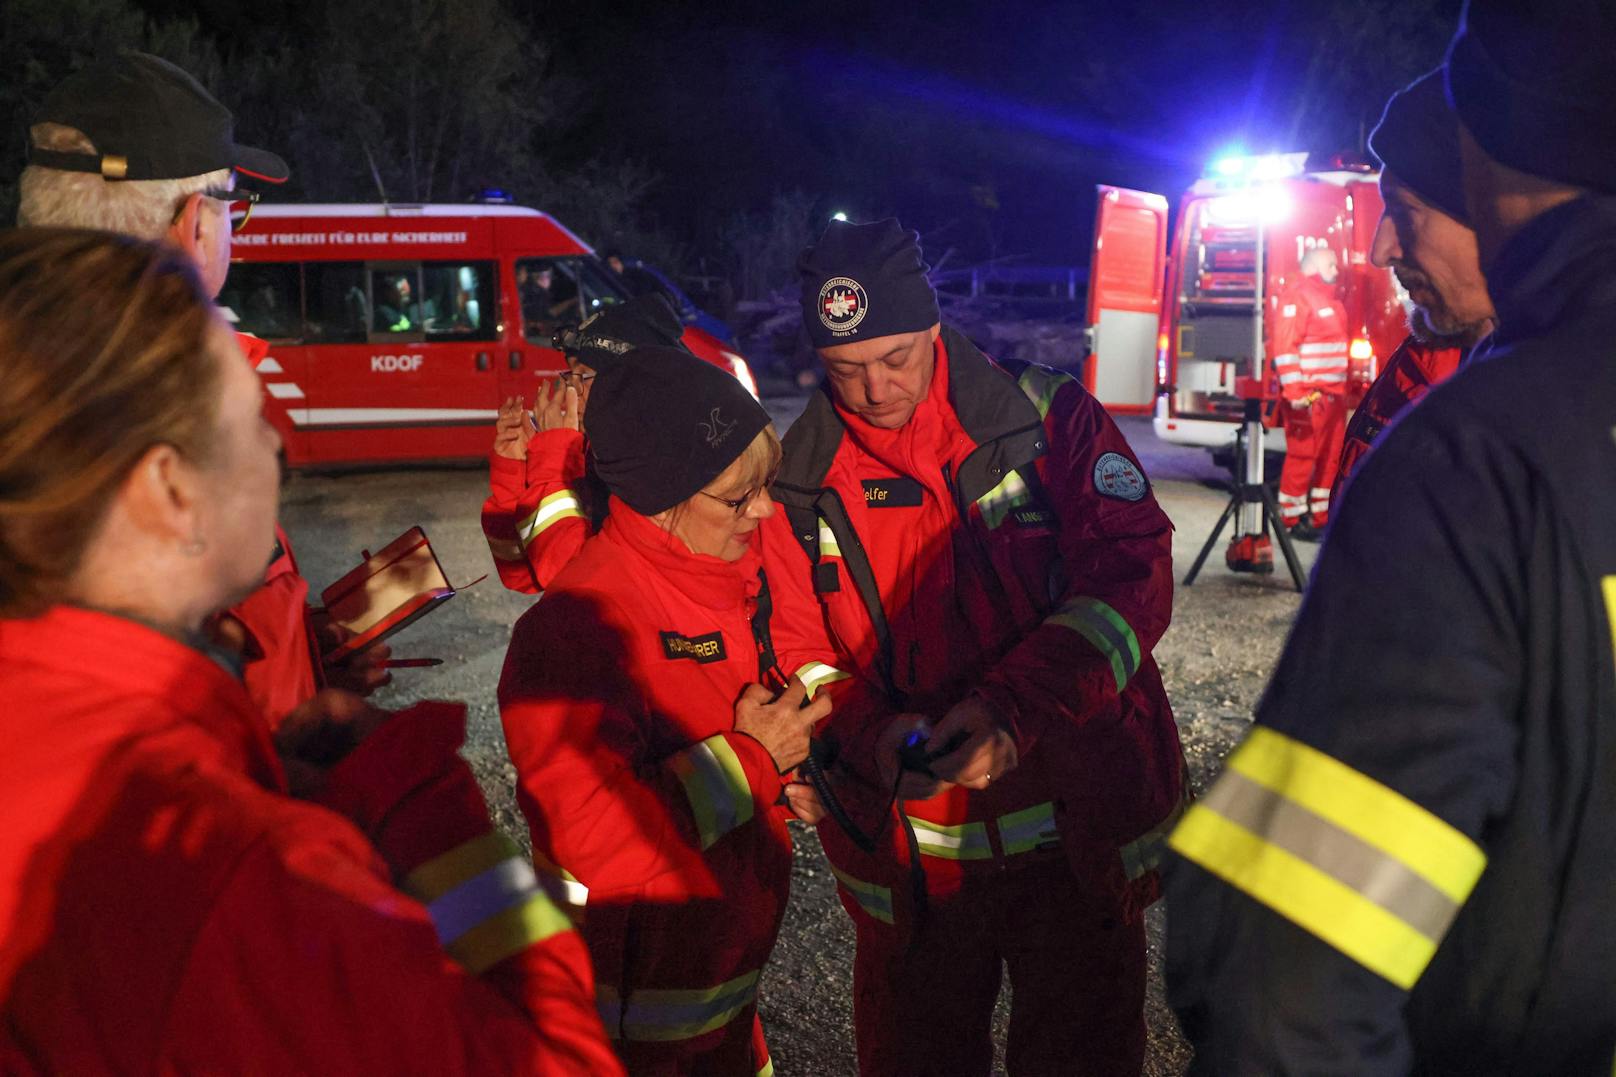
(1425, 239)
(165, 905)
(98, 158)
(992, 565)
(649, 789)
(544, 502)
(1308, 342)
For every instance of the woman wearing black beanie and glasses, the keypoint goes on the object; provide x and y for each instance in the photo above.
(649, 755)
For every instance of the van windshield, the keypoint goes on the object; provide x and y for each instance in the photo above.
(562, 290)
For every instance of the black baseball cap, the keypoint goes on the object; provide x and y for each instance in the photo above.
(149, 120)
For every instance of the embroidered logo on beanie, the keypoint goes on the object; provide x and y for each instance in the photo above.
(842, 305)
(714, 430)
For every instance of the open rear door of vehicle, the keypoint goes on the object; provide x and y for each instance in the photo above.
(1125, 298)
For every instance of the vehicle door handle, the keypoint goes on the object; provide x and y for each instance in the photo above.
(483, 361)
(516, 360)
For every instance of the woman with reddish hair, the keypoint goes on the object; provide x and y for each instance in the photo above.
(167, 905)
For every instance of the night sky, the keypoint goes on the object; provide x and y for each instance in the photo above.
(984, 125)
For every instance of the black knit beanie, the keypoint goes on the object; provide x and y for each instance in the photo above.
(1417, 140)
(642, 322)
(662, 424)
(1533, 84)
(865, 280)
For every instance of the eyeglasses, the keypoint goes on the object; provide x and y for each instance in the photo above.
(576, 376)
(236, 202)
(739, 505)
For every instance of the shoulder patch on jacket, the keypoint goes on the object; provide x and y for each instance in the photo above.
(1117, 477)
(703, 649)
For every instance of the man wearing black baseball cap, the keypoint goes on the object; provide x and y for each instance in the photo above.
(135, 145)
(1425, 239)
(995, 569)
(1409, 866)
(545, 499)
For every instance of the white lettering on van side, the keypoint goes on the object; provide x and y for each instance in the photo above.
(392, 364)
(342, 239)
(429, 237)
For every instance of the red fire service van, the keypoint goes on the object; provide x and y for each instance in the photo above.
(396, 330)
(1175, 320)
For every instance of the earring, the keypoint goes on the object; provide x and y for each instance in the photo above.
(195, 547)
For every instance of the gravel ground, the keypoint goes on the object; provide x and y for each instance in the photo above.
(1226, 634)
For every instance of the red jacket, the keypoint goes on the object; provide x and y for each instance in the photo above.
(1410, 373)
(280, 652)
(166, 907)
(1308, 340)
(538, 511)
(618, 704)
(1017, 553)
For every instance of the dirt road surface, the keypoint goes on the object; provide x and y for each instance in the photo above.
(1226, 635)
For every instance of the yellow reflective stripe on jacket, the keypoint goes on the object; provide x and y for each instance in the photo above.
(815, 675)
(964, 841)
(1609, 583)
(873, 899)
(828, 546)
(1353, 862)
(1025, 830)
(560, 884)
(767, 1069)
(997, 504)
(1041, 384)
(716, 786)
(485, 902)
(661, 1015)
(1143, 853)
(1106, 630)
(552, 510)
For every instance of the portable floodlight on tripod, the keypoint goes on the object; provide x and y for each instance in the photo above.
(1250, 502)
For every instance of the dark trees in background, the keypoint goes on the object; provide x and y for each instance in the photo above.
(717, 138)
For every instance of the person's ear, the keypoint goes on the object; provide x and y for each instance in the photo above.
(187, 231)
(936, 331)
(162, 497)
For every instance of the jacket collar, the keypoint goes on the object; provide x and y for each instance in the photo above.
(1555, 268)
(135, 660)
(710, 582)
(990, 407)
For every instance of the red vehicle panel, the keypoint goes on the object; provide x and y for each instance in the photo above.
(396, 331)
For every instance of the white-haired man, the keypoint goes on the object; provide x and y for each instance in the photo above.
(137, 146)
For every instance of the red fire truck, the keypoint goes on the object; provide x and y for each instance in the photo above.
(396, 330)
(1173, 324)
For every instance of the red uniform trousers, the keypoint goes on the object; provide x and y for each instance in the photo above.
(1313, 439)
(1077, 972)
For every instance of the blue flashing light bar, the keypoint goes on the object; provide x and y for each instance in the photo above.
(1258, 169)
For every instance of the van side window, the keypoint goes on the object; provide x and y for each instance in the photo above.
(399, 308)
(557, 290)
(338, 305)
(266, 298)
(461, 299)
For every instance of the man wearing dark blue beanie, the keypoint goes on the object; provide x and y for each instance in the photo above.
(995, 570)
(1424, 239)
(1409, 866)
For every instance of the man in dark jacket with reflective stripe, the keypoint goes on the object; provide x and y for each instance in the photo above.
(1410, 864)
(986, 552)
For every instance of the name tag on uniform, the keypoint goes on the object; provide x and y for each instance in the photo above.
(1033, 517)
(893, 493)
(703, 649)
